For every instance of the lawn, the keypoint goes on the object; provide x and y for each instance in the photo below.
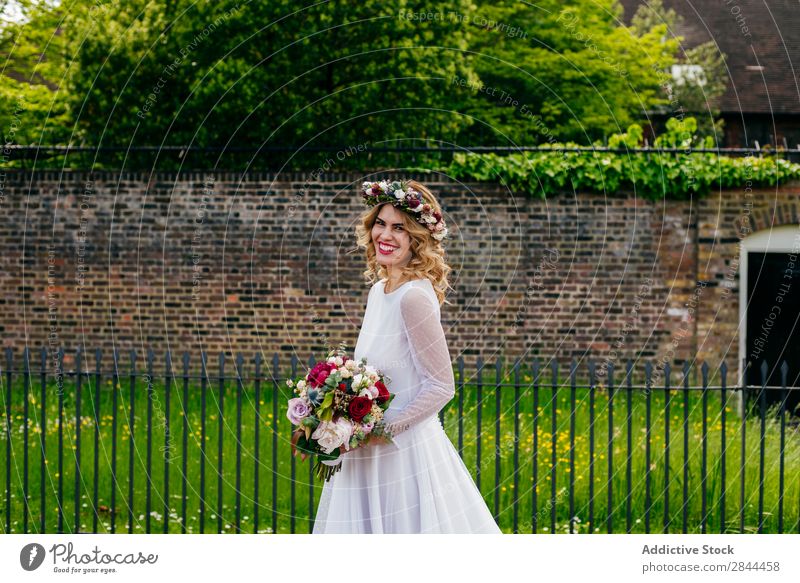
(286, 480)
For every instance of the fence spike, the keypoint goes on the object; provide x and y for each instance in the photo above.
(239, 365)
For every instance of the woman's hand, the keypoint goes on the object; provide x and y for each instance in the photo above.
(378, 439)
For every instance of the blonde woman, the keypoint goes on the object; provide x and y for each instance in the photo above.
(418, 483)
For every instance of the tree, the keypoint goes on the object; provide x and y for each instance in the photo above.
(267, 73)
(34, 109)
(699, 77)
(367, 74)
(573, 73)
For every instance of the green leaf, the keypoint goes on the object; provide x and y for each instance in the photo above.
(310, 422)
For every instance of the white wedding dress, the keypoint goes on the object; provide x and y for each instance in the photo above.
(418, 484)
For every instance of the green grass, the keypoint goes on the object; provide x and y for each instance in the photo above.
(503, 496)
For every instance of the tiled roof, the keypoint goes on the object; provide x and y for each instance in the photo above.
(761, 41)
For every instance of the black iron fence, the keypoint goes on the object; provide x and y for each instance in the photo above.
(185, 446)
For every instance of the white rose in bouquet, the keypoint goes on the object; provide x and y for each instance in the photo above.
(333, 434)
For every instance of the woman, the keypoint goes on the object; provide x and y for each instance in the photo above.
(418, 483)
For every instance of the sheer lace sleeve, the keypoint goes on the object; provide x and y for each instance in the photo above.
(430, 355)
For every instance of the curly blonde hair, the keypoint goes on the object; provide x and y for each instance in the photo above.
(427, 254)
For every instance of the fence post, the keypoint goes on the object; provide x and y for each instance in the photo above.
(784, 375)
(76, 528)
(257, 444)
(667, 413)
(553, 444)
(572, 396)
(26, 388)
(185, 442)
(515, 496)
(723, 373)
(535, 453)
(43, 439)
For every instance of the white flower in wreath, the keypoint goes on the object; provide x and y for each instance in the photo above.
(384, 186)
(399, 194)
(366, 186)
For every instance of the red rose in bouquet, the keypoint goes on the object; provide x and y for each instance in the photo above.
(359, 408)
(383, 392)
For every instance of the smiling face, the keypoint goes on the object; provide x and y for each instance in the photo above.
(390, 238)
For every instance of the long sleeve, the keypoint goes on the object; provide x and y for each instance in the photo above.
(431, 357)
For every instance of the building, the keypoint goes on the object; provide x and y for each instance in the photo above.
(761, 42)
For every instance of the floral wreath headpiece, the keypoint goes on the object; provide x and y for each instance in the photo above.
(406, 199)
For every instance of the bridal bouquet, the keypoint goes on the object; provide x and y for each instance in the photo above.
(339, 406)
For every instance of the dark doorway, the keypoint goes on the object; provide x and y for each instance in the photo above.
(773, 322)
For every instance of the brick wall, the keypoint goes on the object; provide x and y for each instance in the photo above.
(263, 263)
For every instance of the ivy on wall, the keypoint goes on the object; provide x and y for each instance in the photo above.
(652, 175)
